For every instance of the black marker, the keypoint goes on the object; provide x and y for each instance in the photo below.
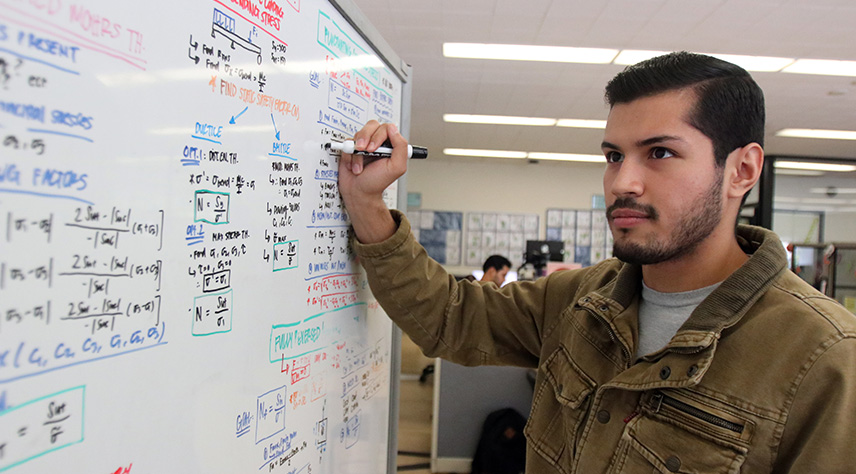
(416, 152)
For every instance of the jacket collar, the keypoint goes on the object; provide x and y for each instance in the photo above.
(695, 343)
(729, 302)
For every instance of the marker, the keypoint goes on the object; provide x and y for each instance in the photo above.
(416, 152)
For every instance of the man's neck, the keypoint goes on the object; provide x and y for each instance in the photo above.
(713, 261)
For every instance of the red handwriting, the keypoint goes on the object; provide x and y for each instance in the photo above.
(94, 24)
(252, 97)
(346, 77)
(50, 6)
(297, 399)
(332, 301)
(123, 470)
(300, 369)
(271, 16)
(334, 283)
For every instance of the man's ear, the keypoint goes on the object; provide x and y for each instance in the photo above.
(743, 169)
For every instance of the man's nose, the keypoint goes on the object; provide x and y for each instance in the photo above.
(628, 179)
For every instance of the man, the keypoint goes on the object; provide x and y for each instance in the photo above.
(695, 350)
(495, 269)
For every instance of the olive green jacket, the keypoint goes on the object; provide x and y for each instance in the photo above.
(761, 378)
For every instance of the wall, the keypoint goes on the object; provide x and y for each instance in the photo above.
(480, 184)
(840, 227)
(464, 397)
(469, 184)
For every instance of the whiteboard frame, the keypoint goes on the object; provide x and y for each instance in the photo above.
(349, 10)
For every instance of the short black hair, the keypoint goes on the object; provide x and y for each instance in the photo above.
(496, 261)
(730, 105)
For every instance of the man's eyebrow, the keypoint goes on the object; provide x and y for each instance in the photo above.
(658, 139)
(645, 142)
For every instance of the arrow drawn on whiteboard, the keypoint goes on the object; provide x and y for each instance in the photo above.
(274, 126)
(190, 53)
(232, 120)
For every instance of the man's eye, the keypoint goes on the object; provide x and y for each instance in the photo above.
(660, 153)
(613, 157)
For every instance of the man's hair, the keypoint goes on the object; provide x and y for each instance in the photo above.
(496, 261)
(730, 105)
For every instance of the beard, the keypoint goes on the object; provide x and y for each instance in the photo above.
(694, 225)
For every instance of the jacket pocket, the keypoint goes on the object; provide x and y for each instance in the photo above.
(558, 409)
(679, 435)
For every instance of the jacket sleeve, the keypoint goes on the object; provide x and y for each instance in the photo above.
(465, 322)
(821, 426)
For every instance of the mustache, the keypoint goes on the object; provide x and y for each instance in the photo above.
(633, 205)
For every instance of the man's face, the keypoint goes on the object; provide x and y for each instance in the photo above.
(499, 277)
(663, 191)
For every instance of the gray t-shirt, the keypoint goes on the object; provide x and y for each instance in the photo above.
(662, 314)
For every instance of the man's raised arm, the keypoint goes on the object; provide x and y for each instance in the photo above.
(362, 184)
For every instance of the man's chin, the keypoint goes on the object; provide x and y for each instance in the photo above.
(636, 254)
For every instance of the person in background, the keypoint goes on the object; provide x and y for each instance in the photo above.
(695, 349)
(495, 268)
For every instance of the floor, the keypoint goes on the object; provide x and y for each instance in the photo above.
(414, 425)
(415, 411)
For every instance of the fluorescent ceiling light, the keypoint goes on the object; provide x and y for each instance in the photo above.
(567, 54)
(534, 121)
(499, 120)
(577, 123)
(804, 165)
(519, 52)
(816, 133)
(787, 172)
(485, 153)
(750, 63)
(826, 67)
(567, 157)
(755, 63)
(632, 56)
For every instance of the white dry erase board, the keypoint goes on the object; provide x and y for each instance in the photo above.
(177, 294)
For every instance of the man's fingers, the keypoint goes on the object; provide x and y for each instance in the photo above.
(378, 137)
(345, 161)
(356, 164)
(362, 137)
(398, 159)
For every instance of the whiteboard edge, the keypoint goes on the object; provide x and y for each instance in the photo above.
(360, 22)
(349, 10)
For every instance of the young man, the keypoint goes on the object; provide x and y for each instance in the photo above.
(695, 350)
(495, 269)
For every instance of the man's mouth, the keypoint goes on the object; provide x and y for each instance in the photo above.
(624, 218)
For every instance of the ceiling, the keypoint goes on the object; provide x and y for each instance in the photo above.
(417, 29)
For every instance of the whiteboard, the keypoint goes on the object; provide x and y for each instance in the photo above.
(177, 293)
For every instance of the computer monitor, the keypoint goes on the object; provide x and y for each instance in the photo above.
(545, 251)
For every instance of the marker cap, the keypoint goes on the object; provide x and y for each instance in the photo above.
(418, 152)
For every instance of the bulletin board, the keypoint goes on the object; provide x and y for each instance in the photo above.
(585, 233)
(439, 232)
(501, 233)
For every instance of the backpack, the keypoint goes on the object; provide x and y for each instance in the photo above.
(502, 446)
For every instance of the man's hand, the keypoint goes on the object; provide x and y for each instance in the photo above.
(362, 184)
